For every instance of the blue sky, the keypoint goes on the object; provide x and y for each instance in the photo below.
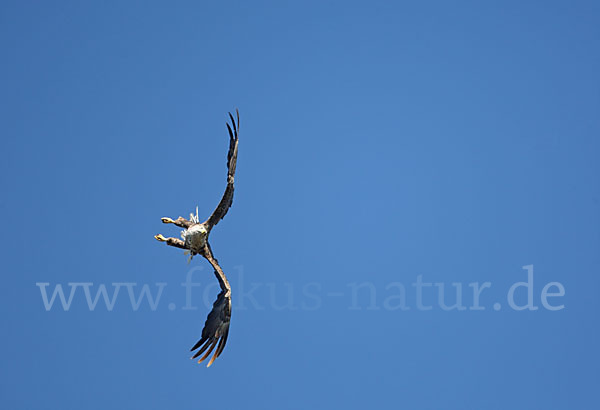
(455, 142)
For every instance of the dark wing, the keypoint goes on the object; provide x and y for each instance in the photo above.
(227, 199)
(216, 327)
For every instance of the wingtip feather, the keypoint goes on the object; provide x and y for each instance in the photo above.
(212, 346)
(198, 344)
(233, 123)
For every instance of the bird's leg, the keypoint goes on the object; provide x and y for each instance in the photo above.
(181, 222)
(178, 243)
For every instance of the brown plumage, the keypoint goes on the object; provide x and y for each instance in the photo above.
(195, 241)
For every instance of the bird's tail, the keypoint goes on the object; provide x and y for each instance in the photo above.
(194, 218)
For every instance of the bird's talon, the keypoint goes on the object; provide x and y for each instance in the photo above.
(160, 238)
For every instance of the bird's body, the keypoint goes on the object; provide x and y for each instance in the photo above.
(194, 239)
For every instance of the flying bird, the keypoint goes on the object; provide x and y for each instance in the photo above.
(195, 242)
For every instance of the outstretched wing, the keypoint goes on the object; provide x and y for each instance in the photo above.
(227, 199)
(216, 327)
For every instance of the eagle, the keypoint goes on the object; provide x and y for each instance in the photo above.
(194, 239)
